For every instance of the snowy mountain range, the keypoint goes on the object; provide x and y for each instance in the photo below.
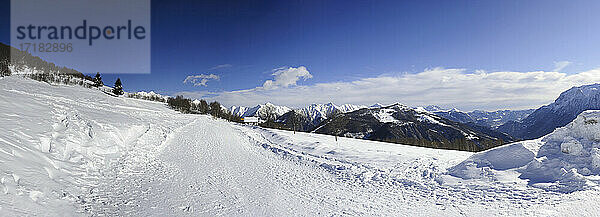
(557, 114)
(491, 119)
(266, 111)
(152, 96)
(402, 124)
(315, 113)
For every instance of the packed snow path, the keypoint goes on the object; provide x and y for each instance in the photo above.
(210, 168)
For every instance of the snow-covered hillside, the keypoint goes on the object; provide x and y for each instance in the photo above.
(67, 150)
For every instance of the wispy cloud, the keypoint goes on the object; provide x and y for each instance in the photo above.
(445, 87)
(560, 65)
(200, 80)
(222, 66)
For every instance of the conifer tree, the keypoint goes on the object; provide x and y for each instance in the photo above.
(203, 107)
(118, 89)
(215, 109)
(98, 80)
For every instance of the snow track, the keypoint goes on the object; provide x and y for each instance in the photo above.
(210, 168)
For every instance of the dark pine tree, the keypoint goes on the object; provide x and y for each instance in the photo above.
(98, 80)
(118, 89)
(180, 103)
(215, 109)
(203, 108)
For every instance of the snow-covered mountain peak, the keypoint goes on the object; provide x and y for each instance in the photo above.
(148, 96)
(398, 106)
(422, 110)
(557, 114)
(577, 93)
(267, 111)
(376, 105)
(433, 108)
(349, 107)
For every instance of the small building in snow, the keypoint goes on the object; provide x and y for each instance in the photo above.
(251, 120)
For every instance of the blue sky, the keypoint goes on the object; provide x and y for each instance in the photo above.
(345, 42)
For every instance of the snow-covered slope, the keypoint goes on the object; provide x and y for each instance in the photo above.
(72, 151)
(418, 178)
(58, 142)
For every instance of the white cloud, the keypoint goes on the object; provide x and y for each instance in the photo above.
(560, 65)
(440, 86)
(220, 66)
(200, 80)
(287, 77)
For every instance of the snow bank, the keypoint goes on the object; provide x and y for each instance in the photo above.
(57, 142)
(501, 158)
(565, 160)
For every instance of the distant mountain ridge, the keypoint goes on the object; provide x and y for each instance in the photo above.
(557, 114)
(310, 118)
(266, 111)
(493, 127)
(491, 119)
(401, 124)
(314, 112)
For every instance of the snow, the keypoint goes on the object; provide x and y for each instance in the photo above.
(376, 105)
(566, 160)
(385, 116)
(422, 110)
(316, 113)
(425, 117)
(57, 141)
(72, 151)
(264, 111)
(501, 158)
(238, 110)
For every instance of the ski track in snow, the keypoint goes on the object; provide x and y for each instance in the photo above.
(75, 151)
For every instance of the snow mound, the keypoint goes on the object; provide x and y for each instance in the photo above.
(570, 156)
(505, 157)
(565, 160)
